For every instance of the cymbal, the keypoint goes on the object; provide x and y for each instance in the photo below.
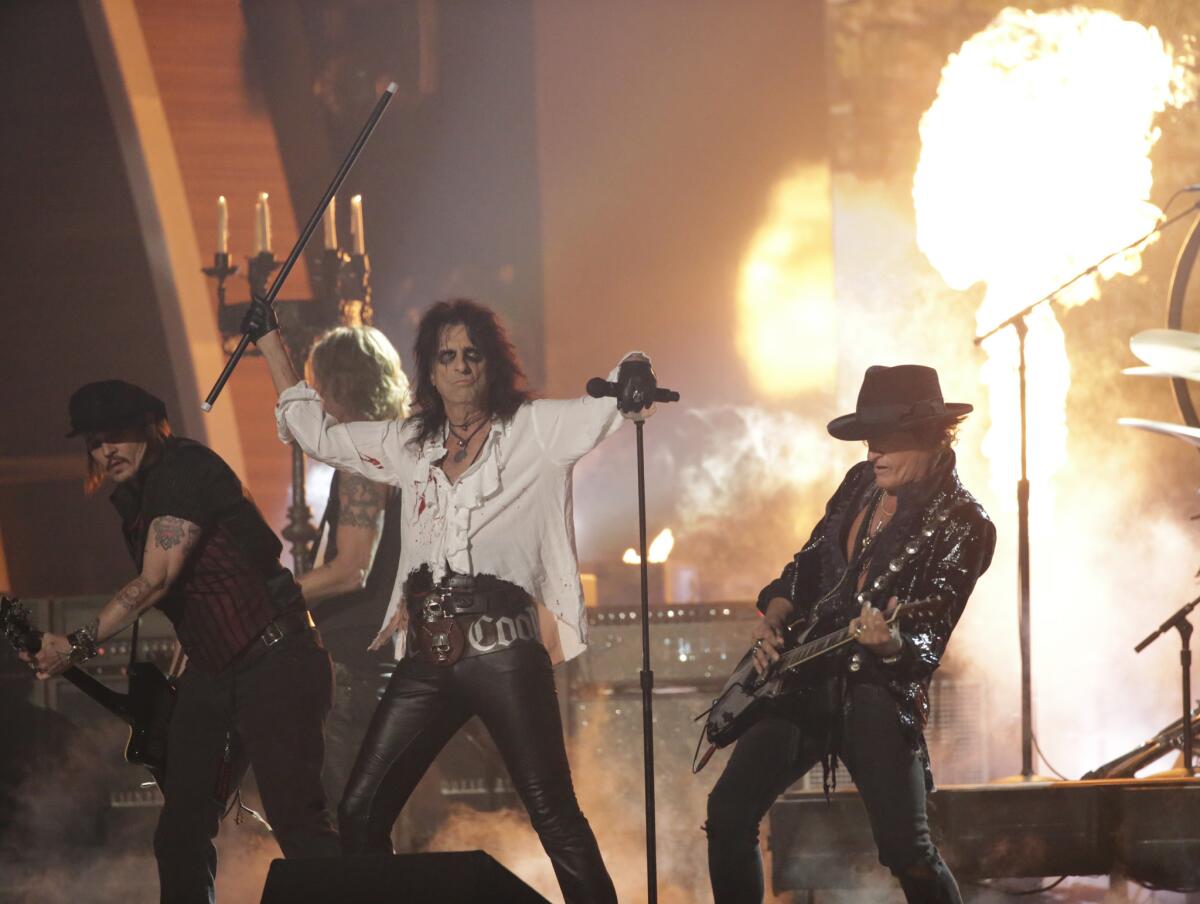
(1173, 352)
(1179, 431)
(1145, 371)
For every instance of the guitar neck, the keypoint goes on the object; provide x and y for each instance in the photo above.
(114, 701)
(828, 642)
(814, 648)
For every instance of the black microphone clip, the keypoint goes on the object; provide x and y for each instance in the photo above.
(599, 388)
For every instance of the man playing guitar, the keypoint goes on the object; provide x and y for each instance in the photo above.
(899, 528)
(258, 682)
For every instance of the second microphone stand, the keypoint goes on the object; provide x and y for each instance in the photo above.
(1179, 621)
(1017, 322)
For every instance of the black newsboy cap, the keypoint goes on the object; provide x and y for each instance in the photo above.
(109, 404)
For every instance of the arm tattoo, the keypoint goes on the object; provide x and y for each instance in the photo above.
(131, 596)
(170, 532)
(361, 502)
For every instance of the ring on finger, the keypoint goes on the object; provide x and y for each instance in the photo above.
(758, 644)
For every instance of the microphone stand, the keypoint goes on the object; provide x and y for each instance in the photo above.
(294, 255)
(598, 388)
(1179, 621)
(1020, 327)
(647, 677)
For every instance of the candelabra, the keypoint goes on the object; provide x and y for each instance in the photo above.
(221, 271)
(342, 283)
(354, 291)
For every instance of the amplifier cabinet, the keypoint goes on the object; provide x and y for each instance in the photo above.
(688, 642)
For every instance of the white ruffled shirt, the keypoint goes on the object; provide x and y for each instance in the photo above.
(509, 514)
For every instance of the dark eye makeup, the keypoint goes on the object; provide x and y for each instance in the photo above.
(471, 354)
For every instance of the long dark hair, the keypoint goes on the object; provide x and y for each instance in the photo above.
(507, 389)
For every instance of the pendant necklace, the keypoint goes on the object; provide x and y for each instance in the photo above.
(461, 453)
(874, 527)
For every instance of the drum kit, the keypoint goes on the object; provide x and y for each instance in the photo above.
(1176, 354)
(1166, 353)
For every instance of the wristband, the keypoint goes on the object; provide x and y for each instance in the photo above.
(83, 644)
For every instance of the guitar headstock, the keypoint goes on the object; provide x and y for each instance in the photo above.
(928, 606)
(16, 627)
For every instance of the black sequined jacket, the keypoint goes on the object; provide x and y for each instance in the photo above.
(937, 544)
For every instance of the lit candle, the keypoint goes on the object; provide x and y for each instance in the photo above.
(262, 224)
(356, 225)
(331, 225)
(222, 226)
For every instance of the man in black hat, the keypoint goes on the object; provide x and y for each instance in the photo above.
(900, 528)
(258, 683)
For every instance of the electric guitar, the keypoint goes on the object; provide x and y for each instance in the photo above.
(747, 694)
(146, 709)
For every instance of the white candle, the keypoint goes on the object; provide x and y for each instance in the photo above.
(222, 226)
(331, 225)
(262, 224)
(356, 225)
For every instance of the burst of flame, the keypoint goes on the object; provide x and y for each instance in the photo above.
(1035, 162)
(660, 548)
(785, 292)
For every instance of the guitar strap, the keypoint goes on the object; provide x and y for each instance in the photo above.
(133, 641)
(856, 563)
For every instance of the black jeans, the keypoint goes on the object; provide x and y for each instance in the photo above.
(512, 691)
(890, 777)
(272, 702)
(356, 692)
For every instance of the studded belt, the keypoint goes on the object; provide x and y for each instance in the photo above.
(456, 620)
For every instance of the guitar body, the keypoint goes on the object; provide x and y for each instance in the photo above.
(747, 697)
(152, 700)
(146, 709)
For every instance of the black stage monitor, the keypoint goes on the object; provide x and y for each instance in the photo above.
(456, 877)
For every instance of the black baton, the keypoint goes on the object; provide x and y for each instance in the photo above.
(292, 257)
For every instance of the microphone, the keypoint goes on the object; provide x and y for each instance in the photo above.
(599, 388)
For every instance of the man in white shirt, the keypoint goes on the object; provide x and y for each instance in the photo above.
(488, 590)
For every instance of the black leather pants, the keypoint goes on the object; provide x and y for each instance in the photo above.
(512, 692)
(889, 776)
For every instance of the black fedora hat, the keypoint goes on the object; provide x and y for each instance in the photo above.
(896, 398)
(110, 404)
